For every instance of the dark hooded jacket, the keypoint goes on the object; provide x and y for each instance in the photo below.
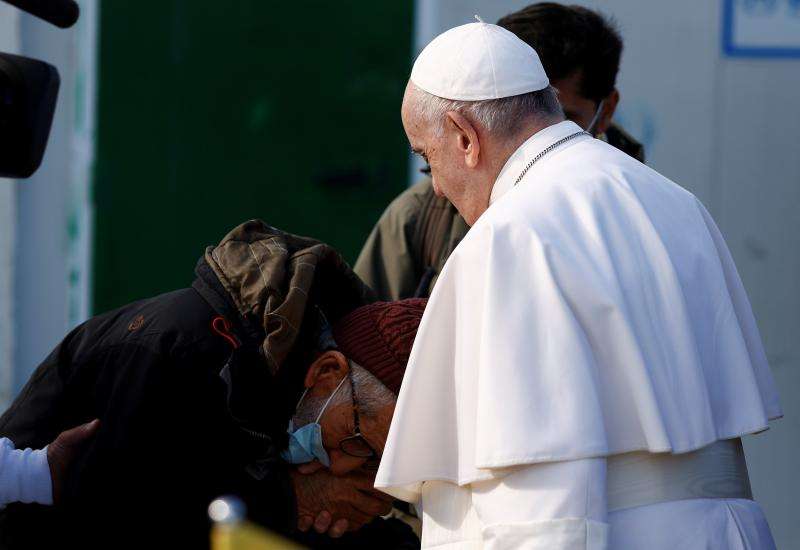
(194, 390)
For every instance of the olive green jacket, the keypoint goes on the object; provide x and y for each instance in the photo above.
(411, 242)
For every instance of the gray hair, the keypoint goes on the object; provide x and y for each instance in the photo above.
(503, 117)
(371, 395)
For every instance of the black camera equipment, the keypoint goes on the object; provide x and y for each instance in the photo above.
(28, 93)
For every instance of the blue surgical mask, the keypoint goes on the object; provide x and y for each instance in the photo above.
(305, 444)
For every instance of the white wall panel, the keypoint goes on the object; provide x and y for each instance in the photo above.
(9, 43)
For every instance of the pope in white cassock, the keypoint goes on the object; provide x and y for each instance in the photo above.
(588, 360)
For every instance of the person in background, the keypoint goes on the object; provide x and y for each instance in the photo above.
(37, 476)
(580, 50)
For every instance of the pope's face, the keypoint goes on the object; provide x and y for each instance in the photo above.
(455, 174)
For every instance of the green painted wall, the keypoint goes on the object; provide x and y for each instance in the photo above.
(214, 112)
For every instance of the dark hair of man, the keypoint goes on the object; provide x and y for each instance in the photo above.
(570, 39)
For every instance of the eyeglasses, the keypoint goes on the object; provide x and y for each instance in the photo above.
(356, 445)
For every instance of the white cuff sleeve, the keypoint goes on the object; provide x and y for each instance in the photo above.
(24, 475)
(553, 506)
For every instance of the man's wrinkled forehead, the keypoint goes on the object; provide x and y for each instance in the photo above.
(409, 110)
(413, 121)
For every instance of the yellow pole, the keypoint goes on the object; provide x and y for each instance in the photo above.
(231, 531)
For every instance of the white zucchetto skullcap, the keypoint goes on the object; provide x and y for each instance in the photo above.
(478, 61)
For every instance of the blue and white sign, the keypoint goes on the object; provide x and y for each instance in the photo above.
(761, 28)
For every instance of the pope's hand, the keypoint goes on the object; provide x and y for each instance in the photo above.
(336, 504)
(63, 450)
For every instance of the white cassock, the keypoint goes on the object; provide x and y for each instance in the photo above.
(592, 316)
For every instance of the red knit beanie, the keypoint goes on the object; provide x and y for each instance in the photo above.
(379, 337)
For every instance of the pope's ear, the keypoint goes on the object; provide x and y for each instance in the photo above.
(326, 372)
(466, 137)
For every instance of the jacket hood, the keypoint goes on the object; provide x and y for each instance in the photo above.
(273, 279)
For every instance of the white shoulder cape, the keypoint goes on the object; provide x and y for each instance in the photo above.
(594, 309)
